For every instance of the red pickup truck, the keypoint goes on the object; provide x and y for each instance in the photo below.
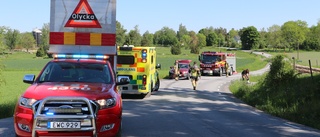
(71, 97)
(184, 66)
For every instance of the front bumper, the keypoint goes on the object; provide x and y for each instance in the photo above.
(101, 123)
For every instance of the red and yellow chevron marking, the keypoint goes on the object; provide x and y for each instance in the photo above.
(79, 38)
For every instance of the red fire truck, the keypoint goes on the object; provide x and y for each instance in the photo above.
(76, 93)
(212, 63)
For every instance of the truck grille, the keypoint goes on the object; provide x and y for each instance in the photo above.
(207, 65)
(64, 109)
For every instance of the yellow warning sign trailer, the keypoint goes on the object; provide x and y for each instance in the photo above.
(139, 63)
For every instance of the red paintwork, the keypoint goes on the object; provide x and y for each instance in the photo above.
(214, 66)
(97, 91)
(182, 71)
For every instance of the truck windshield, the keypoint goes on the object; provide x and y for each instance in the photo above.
(76, 72)
(183, 65)
(209, 58)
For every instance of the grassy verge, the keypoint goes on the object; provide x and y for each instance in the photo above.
(11, 90)
(298, 102)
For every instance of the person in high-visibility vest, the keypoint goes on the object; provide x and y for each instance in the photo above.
(176, 70)
(226, 65)
(194, 75)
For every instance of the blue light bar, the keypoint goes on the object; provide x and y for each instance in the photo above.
(79, 56)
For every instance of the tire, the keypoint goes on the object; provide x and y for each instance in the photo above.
(231, 71)
(120, 130)
(157, 85)
(152, 88)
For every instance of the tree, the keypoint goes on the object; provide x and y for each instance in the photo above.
(293, 33)
(263, 39)
(2, 48)
(206, 32)
(202, 40)
(194, 43)
(134, 37)
(249, 38)
(312, 41)
(120, 34)
(274, 37)
(175, 49)
(11, 38)
(44, 40)
(181, 32)
(27, 41)
(147, 39)
(166, 37)
(212, 39)
(3, 31)
(185, 41)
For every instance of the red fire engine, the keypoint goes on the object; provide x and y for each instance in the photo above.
(212, 63)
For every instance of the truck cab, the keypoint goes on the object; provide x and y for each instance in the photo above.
(212, 63)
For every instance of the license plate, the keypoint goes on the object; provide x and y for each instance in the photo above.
(207, 71)
(65, 125)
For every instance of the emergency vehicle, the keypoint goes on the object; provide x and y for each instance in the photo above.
(76, 93)
(139, 64)
(184, 67)
(212, 62)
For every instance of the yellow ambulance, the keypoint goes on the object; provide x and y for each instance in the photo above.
(139, 64)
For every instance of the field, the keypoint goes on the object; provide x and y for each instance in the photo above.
(304, 57)
(19, 63)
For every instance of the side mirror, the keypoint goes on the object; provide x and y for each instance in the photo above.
(122, 80)
(158, 66)
(29, 78)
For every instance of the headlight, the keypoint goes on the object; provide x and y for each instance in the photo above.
(106, 103)
(26, 102)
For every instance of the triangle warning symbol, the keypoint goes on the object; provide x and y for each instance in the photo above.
(83, 17)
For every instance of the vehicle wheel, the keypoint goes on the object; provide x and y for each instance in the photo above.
(152, 88)
(157, 86)
(231, 72)
(120, 130)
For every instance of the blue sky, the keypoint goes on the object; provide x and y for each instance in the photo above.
(153, 15)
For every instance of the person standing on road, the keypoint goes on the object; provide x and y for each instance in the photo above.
(194, 75)
(226, 68)
(176, 70)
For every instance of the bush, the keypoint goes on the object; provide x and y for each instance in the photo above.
(40, 52)
(175, 50)
(195, 49)
(281, 72)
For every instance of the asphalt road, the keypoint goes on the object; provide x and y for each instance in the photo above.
(176, 110)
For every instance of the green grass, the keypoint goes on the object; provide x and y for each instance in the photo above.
(304, 56)
(11, 90)
(24, 61)
(288, 101)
